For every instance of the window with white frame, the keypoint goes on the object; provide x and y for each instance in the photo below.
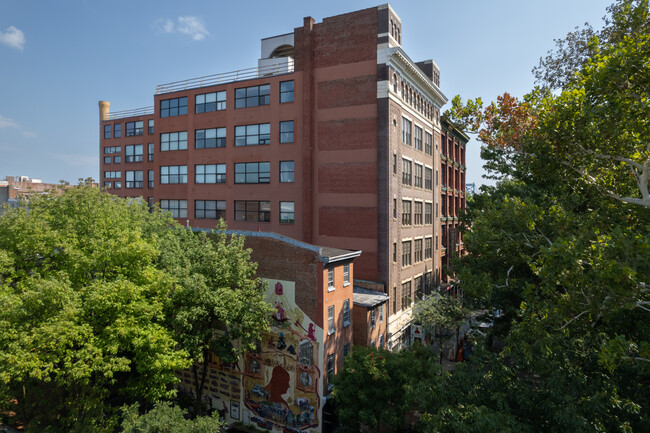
(406, 131)
(381, 313)
(428, 140)
(346, 274)
(418, 138)
(346, 312)
(330, 278)
(406, 253)
(373, 318)
(417, 176)
(331, 327)
(406, 171)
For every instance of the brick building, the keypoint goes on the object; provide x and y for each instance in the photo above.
(13, 188)
(333, 139)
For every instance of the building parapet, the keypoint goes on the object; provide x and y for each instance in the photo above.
(144, 111)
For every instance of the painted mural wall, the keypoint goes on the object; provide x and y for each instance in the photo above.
(277, 387)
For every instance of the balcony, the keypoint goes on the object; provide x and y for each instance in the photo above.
(266, 68)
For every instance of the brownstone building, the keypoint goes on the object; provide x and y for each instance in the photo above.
(333, 139)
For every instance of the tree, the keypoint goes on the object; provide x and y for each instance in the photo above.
(215, 287)
(442, 314)
(165, 418)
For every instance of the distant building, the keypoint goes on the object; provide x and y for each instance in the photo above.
(13, 188)
(333, 139)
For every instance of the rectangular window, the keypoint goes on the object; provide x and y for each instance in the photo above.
(117, 159)
(330, 278)
(406, 253)
(381, 313)
(394, 163)
(428, 181)
(150, 147)
(330, 321)
(253, 135)
(178, 208)
(251, 210)
(394, 299)
(346, 312)
(107, 160)
(134, 128)
(346, 274)
(419, 288)
(209, 138)
(108, 184)
(287, 212)
(286, 91)
(406, 172)
(112, 149)
(107, 131)
(417, 178)
(253, 172)
(133, 179)
(150, 179)
(418, 138)
(208, 102)
(428, 140)
(173, 174)
(112, 174)
(372, 343)
(150, 126)
(209, 209)
(417, 251)
(286, 171)
(173, 141)
(417, 213)
(117, 185)
(253, 96)
(394, 251)
(330, 369)
(286, 131)
(406, 131)
(173, 107)
(406, 212)
(372, 318)
(210, 173)
(133, 153)
(346, 350)
(428, 250)
(117, 129)
(381, 341)
(428, 216)
(406, 295)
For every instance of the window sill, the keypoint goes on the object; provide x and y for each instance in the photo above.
(346, 324)
(330, 332)
(331, 288)
(346, 284)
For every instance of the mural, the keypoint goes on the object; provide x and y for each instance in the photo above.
(281, 379)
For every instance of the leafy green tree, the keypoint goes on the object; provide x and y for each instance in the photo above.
(443, 315)
(165, 418)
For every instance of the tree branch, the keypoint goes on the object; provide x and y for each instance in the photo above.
(576, 317)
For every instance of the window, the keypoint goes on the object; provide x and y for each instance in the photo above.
(346, 350)
(117, 159)
(173, 107)
(406, 131)
(117, 130)
(253, 135)
(209, 209)
(436, 242)
(330, 320)
(417, 253)
(210, 173)
(117, 185)
(330, 370)
(150, 147)
(406, 212)
(305, 353)
(346, 313)
(150, 126)
(394, 299)
(418, 288)
(209, 138)
(286, 91)
(134, 179)
(381, 313)
(133, 153)
(381, 341)
(107, 131)
(178, 208)
(417, 181)
(253, 96)
(173, 141)
(394, 163)
(428, 216)
(108, 184)
(428, 139)
(112, 174)
(134, 128)
(346, 274)
(251, 210)
(173, 174)
(417, 213)
(286, 131)
(406, 172)
(253, 172)
(394, 251)
(112, 149)
(151, 203)
(150, 179)
(107, 160)
(372, 318)
(395, 208)
(372, 343)
(418, 138)
(428, 178)
(286, 171)
(208, 102)
(287, 212)
(406, 253)
(330, 279)
(406, 294)
(428, 251)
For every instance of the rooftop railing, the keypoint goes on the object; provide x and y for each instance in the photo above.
(284, 67)
(144, 111)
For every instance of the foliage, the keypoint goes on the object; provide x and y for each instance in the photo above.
(443, 315)
(165, 418)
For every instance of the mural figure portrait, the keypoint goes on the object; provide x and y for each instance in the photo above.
(278, 386)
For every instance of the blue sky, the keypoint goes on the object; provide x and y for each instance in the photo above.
(58, 59)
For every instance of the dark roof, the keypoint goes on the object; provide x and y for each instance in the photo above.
(368, 298)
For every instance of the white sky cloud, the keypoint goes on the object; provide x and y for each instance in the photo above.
(13, 37)
(191, 26)
(5, 122)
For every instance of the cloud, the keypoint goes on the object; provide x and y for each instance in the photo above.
(13, 37)
(191, 26)
(8, 123)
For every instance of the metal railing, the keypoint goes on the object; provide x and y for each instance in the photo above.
(144, 111)
(227, 77)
